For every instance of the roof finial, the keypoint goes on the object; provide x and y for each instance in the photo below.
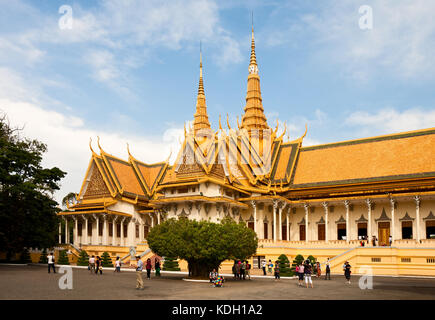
(99, 146)
(128, 150)
(90, 145)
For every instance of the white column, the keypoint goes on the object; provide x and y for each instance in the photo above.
(325, 206)
(114, 230)
(66, 231)
(306, 222)
(254, 206)
(86, 230)
(75, 234)
(158, 216)
(122, 231)
(417, 215)
(346, 204)
(369, 222)
(60, 232)
(275, 206)
(98, 229)
(393, 237)
(152, 220)
(288, 226)
(105, 230)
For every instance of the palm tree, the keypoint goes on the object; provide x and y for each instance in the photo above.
(69, 199)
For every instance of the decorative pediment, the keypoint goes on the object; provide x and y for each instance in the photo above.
(361, 219)
(183, 213)
(265, 220)
(251, 219)
(341, 220)
(302, 221)
(406, 217)
(321, 221)
(383, 216)
(430, 216)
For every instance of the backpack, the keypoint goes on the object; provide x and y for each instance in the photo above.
(297, 269)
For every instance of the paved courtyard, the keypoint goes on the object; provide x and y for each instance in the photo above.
(33, 282)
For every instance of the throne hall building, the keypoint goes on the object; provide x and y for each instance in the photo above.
(369, 201)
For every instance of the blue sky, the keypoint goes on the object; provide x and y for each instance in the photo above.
(127, 71)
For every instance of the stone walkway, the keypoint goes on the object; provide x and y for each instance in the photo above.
(33, 282)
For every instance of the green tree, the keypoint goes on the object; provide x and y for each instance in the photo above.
(27, 209)
(284, 266)
(171, 264)
(203, 244)
(69, 200)
(297, 261)
(63, 258)
(83, 259)
(107, 261)
(43, 257)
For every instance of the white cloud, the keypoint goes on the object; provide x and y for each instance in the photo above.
(390, 120)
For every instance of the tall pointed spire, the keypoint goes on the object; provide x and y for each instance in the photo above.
(200, 121)
(254, 117)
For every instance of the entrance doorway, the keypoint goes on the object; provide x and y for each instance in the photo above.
(362, 231)
(321, 232)
(251, 225)
(430, 229)
(341, 231)
(406, 229)
(284, 232)
(302, 232)
(256, 263)
(384, 233)
(265, 231)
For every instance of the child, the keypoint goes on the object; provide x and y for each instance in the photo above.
(277, 277)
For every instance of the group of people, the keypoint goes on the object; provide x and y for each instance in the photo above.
(148, 268)
(241, 269)
(95, 264)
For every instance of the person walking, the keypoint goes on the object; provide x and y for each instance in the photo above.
(319, 271)
(347, 271)
(243, 270)
(98, 265)
(238, 270)
(117, 265)
(270, 266)
(235, 269)
(308, 270)
(92, 264)
(50, 258)
(327, 270)
(148, 267)
(277, 277)
(139, 280)
(300, 271)
(248, 269)
(157, 267)
(263, 265)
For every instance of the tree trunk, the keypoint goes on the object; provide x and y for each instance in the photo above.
(201, 269)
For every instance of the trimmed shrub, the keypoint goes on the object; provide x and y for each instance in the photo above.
(83, 258)
(43, 256)
(25, 256)
(297, 261)
(171, 264)
(107, 261)
(313, 263)
(284, 266)
(63, 258)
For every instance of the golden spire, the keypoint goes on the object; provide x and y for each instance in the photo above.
(200, 121)
(254, 117)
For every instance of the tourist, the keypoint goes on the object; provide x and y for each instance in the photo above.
(319, 271)
(374, 241)
(99, 265)
(238, 270)
(390, 239)
(277, 277)
(347, 271)
(327, 270)
(149, 267)
(213, 275)
(248, 269)
(235, 269)
(219, 281)
(117, 265)
(308, 270)
(92, 264)
(263, 265)
(157, 267)
(139, 267)
(270, 266)
(243, 270)
(300, 271)
(50, 258)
